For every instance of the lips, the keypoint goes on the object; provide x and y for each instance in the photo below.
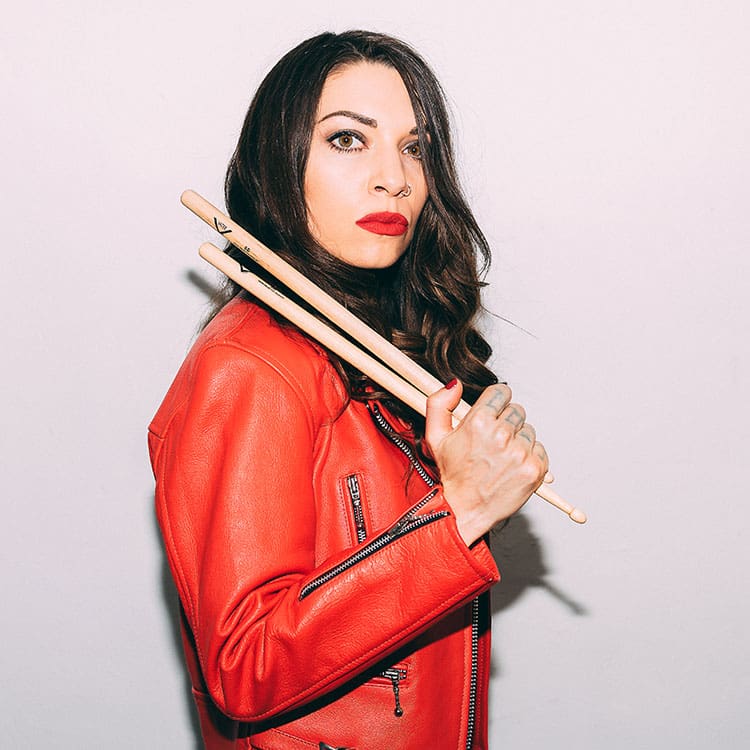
(385, 222)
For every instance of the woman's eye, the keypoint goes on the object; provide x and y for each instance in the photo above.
(414, 150)
(346, 141)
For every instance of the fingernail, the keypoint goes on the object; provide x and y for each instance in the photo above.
(451, 384)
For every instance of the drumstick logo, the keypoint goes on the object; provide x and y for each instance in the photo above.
(221, 227)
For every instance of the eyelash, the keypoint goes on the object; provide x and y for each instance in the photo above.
(358, 137)
(340, 134)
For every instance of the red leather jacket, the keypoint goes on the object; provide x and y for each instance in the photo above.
(328, 599)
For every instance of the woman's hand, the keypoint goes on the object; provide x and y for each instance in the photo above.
(490, 464)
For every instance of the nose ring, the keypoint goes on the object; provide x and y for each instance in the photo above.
(405, 193)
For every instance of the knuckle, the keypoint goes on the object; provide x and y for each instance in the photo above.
(524, 476)
(532, 472)
(504, 432)
(483, 420)
(498, 390)
(502, 441)
(518, 408)
(541, 454)
(433, 399)
(503, 389)
(518, 454)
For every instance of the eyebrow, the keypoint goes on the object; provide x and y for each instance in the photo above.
(369, 121)
(353, 115)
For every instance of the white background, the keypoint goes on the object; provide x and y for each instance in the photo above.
(604, 146)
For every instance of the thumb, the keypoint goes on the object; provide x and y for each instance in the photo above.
(440, 406)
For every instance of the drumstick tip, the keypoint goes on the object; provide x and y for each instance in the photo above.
(577, 515)
(187, 196)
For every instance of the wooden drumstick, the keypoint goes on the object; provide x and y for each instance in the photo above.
(316, 329)
(313, 294)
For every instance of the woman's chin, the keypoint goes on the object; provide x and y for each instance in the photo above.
(371, 259)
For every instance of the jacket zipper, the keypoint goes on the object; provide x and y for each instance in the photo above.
(395, 675)
(400, 443)
(405, 448)
(355, 496)
(474, 672)
(407, 523)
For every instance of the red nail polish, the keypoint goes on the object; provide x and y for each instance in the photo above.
(451, 384)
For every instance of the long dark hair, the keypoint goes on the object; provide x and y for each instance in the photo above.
(428, 301)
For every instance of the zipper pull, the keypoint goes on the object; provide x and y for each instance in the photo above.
(355, 495)
(398, 528)
(395, 676)
(411, 516)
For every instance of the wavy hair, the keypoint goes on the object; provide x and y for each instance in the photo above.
(427, 303)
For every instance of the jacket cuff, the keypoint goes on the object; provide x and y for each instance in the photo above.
(478, 555)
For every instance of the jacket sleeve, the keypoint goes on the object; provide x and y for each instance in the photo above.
(274, 629)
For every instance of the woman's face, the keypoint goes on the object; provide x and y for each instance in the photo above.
(364, 183)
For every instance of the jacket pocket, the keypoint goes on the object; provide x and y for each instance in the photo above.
(352, 488)
(277, 739)
(394, 676)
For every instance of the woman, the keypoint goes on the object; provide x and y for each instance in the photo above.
(326, 542)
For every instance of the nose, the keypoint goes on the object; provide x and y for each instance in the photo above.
(388, 174)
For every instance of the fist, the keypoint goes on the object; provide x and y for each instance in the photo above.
(490, 464)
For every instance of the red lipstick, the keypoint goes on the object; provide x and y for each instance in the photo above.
(384, 222)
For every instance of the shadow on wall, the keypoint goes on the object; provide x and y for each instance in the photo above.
(520, 559)
(172, 607)
(208, 287)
